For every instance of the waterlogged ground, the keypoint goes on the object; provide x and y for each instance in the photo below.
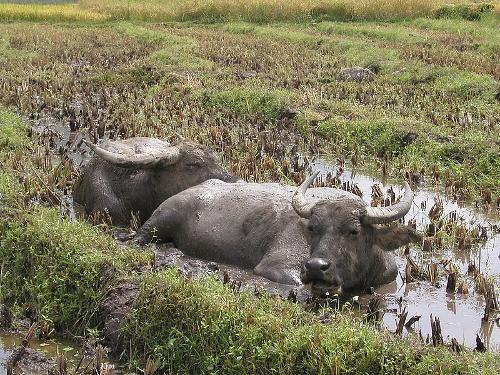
(460, 314)
(44, 354)
(262, 94)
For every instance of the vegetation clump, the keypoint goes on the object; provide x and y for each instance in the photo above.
(261, 94)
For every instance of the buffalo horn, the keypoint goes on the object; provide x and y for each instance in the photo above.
(299, 202)
(382, 215)
(145, 160)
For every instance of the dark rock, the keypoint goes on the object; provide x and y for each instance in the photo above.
(356, 74)
(409, 138)
(115, 309)
(166, 257)
(245, 75)
(289, 114)
(442, 139)
(31, 361)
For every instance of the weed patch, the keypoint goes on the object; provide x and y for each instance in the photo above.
(467, 86)
(13, 131)
(238, 334)
(259, 103)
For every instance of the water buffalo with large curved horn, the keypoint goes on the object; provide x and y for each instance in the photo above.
(331, 239)
(134, 176)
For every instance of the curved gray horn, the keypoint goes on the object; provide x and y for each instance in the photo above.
(299, 202)
(382, 215)
(145, 160)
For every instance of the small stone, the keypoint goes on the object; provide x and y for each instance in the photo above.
(212, 266)
(356, 74)
(409, 138)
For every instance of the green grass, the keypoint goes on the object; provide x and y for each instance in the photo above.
(391, 33)
(253, 103)
(13, 131)
(232, 333)
(468, 86)
(175, 51)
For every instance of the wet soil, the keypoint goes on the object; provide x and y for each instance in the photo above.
(460, 314)
(42, 355)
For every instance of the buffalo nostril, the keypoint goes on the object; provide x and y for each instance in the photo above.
(317, 265)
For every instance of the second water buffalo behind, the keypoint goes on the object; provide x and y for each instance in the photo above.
(134, 176)
(331, 239)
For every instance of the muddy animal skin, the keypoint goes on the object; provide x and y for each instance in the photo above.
(136, 175)
(328, 239)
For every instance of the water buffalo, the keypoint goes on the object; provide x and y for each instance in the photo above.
(136, 175)
(330, 240)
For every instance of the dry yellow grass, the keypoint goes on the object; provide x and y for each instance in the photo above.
(217, 10)
(266, 10)
(38, 12)
(496, 9)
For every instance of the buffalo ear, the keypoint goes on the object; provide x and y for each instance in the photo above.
(392, 238)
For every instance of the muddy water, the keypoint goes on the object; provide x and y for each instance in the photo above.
(45, 358)
(460, 315)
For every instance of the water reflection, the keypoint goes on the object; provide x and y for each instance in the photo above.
(460, 315)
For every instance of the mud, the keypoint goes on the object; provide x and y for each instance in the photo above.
(114, 311)
(42, 355)
(460, 315)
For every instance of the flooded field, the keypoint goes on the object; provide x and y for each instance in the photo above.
(414, 98)
(460, 313)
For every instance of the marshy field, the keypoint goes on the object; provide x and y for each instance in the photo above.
(269, 86)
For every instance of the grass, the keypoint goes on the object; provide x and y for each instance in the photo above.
(48, 12)
(255, 103)
(238, 334)
(264, 11)
(226, 78)
(260, 11)
(13, 130)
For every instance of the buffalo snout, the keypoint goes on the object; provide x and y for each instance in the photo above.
(315, 269)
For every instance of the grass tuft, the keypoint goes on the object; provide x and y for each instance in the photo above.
(257, 103)
(230, 333)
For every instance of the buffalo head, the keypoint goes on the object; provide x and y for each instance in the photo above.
(136, 175)
(347, 249)
(192, 162)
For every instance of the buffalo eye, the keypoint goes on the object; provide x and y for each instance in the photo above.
(193, 165)
(313, 226)
(351, 230)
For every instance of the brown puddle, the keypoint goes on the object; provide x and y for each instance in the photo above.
(43, 355)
